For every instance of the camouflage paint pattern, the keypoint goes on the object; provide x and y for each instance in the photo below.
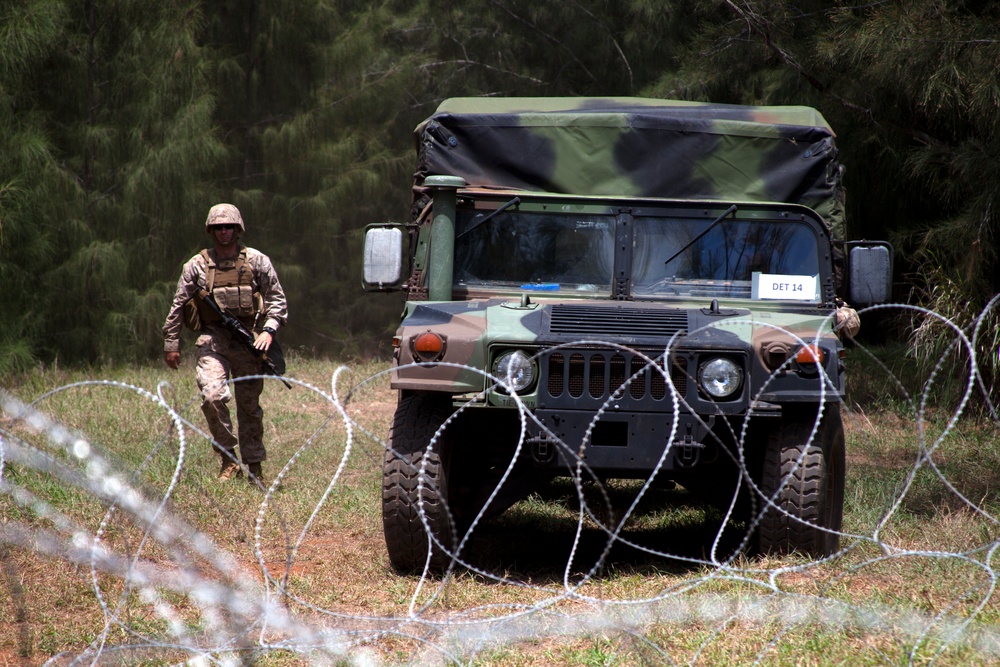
(462, 324)
(469, 327)
(602, 156)
(638, 148)
(661, 264)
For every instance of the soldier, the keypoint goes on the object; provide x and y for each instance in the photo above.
(244, 284)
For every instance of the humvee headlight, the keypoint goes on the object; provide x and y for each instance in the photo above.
(720, 377)
(515, 370)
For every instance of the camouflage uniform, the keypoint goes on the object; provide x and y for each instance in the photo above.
(220, 357)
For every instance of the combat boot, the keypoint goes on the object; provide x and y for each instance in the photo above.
(255, 474)
(229, 469)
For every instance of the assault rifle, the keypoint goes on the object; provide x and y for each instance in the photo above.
(242, 334)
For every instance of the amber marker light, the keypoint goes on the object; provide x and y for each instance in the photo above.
(809, 354)
(428, 346)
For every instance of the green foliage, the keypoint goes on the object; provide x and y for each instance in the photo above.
(15, 356)
(99, 193)
(122, 122)
(937, 343)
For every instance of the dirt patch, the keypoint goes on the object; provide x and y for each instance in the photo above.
(320, 555)
(9, 658)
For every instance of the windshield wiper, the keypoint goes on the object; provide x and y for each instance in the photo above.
(513, 202)
(731, 209)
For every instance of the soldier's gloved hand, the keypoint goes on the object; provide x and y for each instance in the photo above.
(173, 359)
(263, 341)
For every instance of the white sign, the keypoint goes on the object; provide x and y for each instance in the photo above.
(777, 286)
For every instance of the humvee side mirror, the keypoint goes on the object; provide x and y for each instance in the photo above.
(869, 271)
(383, 264)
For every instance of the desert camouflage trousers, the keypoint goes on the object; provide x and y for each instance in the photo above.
(216, 364)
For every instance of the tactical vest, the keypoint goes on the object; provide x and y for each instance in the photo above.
(230, 281)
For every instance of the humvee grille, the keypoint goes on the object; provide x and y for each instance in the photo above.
(587, 320)
(597, 374)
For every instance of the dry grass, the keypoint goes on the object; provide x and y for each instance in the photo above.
(915, 556)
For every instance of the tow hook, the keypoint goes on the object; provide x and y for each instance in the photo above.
(542, 448)
(687, 452)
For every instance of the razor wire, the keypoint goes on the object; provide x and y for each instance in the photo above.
(214, 606)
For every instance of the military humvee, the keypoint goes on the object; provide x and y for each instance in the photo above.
(620, 288)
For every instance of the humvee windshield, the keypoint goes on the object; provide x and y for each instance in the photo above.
(669, 256)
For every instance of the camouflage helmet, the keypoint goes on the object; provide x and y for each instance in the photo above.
(224, 214)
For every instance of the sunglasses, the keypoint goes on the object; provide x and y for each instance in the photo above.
(225, 227)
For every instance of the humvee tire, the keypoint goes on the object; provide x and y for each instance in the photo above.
(812, 493)
(405, 497)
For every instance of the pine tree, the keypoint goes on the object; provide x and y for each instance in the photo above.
(30, 32)
(127, 118)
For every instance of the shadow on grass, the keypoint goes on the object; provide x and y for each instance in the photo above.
(667, 532)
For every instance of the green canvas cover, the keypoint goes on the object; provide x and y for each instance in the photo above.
(637, 147)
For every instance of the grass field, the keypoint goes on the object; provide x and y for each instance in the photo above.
(118, 545)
